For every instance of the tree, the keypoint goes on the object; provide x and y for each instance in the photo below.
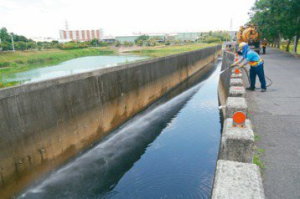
(94, 42)
(142, 37)
(128, 43)
(103, 44)
(117, 43)
(4, 36)
(140, 42)
(31, 45)
(20, 45)
(276, 19)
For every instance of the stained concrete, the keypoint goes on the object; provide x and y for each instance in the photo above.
(237, 142)
(237, 91)
(236, 82)
(236, 180)
(275, 116)
(235, 104)
(46, 123)
(233, 75)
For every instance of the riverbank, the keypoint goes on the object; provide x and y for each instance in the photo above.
(160, 51)
(20, 61)
(11, 62)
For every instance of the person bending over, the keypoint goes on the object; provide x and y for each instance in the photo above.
(256, 66)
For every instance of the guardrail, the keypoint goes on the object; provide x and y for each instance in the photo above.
(236, 176)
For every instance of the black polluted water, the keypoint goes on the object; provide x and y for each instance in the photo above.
(167, 151)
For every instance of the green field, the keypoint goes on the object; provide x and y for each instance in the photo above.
(160, 51)
(11, 62)
(19, 61)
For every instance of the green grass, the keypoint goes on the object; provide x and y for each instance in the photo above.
(257, 154)
(256, 137)
(257, 158)
(19, 61)
(283, 47)
(160, 51)
(12, 62)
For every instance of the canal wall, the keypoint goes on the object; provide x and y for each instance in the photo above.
(236, 176)
(46, 123)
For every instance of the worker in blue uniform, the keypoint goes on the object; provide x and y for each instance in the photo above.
(256, 66)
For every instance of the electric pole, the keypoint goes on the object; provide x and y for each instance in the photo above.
(12, 42)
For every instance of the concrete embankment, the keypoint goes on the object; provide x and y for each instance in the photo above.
(236, 176)
(44, 124)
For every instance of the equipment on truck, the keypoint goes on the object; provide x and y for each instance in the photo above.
(250, 35)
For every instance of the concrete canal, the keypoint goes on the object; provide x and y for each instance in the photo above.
(168, 150)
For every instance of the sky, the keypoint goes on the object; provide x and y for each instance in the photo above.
(44, 18)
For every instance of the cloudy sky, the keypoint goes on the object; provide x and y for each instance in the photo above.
(45, 18)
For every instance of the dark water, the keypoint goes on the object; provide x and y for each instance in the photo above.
(168, 151)
(70, 67)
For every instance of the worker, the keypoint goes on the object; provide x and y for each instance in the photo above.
(256, 66)
(264, 45)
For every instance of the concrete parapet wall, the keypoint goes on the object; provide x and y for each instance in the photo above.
(236, 82)
(233, 75)
(235, 176)
(236, 180)
(235, 104)
(237, 142)
(237, 91)
(44, 124)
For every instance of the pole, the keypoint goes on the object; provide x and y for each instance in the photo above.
(295, 44)
(12, 42)
(296, 39)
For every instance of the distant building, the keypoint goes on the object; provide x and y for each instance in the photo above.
(188, 36)
(132, 38)
(109, 39)
(43, 39)
(80, 35)
(126, 38)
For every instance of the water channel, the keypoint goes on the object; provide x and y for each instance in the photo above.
(167, 151)
(74, 66)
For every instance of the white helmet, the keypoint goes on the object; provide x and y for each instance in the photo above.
(241, 45)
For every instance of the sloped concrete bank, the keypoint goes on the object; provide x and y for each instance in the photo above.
(44, 124)
(236, 176)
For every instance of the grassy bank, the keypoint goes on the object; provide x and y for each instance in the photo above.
(291, 47)
(160, 51)
(19, 61)
(11, 62)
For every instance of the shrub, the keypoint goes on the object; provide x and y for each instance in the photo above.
(140, 42)
(117, 43)
(211, 39)
(4, 64)
(71, 45)
(18, 61)
(128, 43)
(142, 37)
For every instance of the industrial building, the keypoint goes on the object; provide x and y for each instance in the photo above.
(182, 36)
(80, 35)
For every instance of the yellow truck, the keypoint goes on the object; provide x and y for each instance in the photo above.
(250, 35)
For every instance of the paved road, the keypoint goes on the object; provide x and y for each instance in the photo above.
(276, 119)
